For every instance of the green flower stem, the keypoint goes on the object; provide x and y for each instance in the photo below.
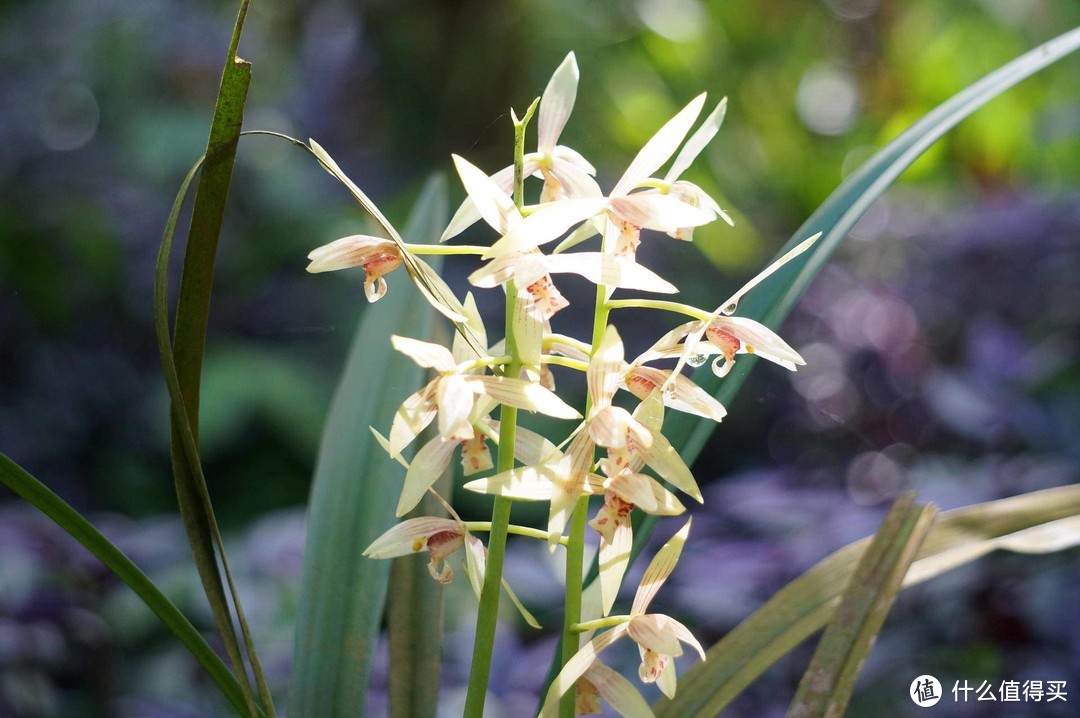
(677, 307)
(484, 526)
(575, 550)
(445, 248)
(564, 361)
(550, 339)
(601, 623)
(488, 612)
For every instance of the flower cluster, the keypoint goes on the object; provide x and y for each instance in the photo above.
(608, 451)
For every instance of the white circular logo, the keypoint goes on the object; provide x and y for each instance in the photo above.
(925, 691)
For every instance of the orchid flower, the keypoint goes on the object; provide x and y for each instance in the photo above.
(565, 172)
(453, 396)
(441, 537)
(376, 255)
(686, 191)
(627, 212)
(659, 637)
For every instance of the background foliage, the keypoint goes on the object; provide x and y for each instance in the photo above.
(941, 342)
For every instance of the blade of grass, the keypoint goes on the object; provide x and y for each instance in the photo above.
(1041, 521)
(826, 687)
(183, 370)
(63, 515)
(353, 497)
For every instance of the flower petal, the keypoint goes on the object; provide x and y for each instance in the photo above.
(658, 149)
(525, 483)
(687, 396)
(619, 693)
(455, 399)
(412, 417)
(576, 667)
(467, 213)
(462, 350)
(426, 354)
(697, 142)
(653, 631)
(424, 470)
(353, 251)
(603, 374)
(523, 395)
(659, 211)
(547, 222)
(614, 558)
(557, 103)
(665, 460)
(756, 338)
(576, 181)
(410, 536)
(493, 204)
(609, 270)
(659, 569)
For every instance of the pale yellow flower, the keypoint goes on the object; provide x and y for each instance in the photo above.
(376, 255)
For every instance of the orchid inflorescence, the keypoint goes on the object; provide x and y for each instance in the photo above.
(472, 378)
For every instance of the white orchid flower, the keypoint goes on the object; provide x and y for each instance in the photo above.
(376, 255)
(566, 174)
(659, 637)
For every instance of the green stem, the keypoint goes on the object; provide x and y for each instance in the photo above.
(483, 526)
(445, 248)
(575, 550)
(677, 307)
(488, 612)
(564, 361)
(601, 623)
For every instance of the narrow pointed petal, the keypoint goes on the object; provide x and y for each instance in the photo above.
(614, 558)
(733, 301)
(658, 149)
(567, 156)
(683, 634)
(659, 211)
(412, 417)
(526, 615)
(455, 399)
(426, 354)
(604, 368)
(570, 480)
(576, 667)
(523, 395)
(659, 569)
(385, 444)
(609, 425)
(697, 142)
(532, 448)
(528, 325)
(619, 693)
(610, 270)
(493, 204)
(461, 350)
(557, 103)
(640, 490)
(467, 213)
(410, 536)
(666, 681)
(576, 182)
(498, 271)
(665, 460)
(475, 562)
(426, 468)
(586, 231)
(525, 483)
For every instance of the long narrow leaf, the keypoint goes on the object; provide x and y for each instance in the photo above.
(829, 680)
(773, 301)
(184, 368)
(415, 615)
(63, 515)
(355, 490)
(1041, 521)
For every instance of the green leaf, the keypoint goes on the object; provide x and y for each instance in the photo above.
(1038, 522)
(183, 370)
(829, 680)
(415, 616)
(355, 490)
(70, 520)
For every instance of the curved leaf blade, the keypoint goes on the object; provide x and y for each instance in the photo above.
(1041, 521)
